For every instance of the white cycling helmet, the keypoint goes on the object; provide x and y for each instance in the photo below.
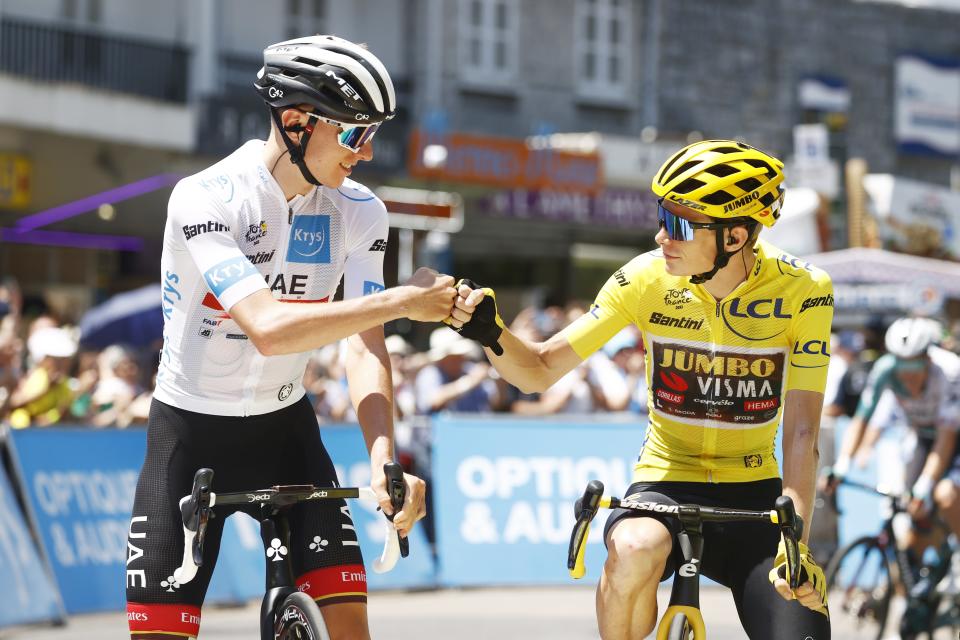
(910, 337)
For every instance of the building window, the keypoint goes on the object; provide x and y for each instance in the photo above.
(489, 41)
(81, 11)
(602, 37)
(306, 17)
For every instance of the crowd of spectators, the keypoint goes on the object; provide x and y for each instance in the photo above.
(48, 375)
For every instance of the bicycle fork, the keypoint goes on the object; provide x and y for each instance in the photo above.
(685, 594)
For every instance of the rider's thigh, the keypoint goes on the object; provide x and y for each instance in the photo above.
(346, 621)
(638, 548)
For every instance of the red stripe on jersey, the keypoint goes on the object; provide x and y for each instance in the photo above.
(211, 301)
(179, 619)
(327, 299)
(326, 582)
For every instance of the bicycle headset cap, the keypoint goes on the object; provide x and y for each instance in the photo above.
(727, 180)
(343, 81)
(911, 337)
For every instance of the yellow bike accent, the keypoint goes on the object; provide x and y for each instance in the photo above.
(694, 617)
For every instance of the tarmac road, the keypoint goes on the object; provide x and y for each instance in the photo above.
(508, 613)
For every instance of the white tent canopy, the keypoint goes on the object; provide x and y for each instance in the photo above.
(861, 265)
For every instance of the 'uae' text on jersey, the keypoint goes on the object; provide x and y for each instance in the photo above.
(717, 370)
(230, 232)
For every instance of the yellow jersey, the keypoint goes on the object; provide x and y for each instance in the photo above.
(717, 370)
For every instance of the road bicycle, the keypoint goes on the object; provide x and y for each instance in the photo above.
(682, 620)
(865, 575)
(285, 613)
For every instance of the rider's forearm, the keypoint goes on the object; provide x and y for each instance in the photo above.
(278, 328)
(801, 455)
(940, 454)
(799, 477)
(371, 390)
(521, 363)
(851, 439)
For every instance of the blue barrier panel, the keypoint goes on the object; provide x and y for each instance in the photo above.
(504, 493)
(29, 594)
(80, 485)
(349, 453)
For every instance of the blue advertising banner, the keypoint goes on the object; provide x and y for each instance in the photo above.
(349, 453)
(505, 488)
(80, 485)
(29, 594)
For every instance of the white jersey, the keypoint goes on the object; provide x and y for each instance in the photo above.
(230, 232)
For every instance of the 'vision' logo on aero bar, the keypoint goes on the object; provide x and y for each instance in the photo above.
(309, 239)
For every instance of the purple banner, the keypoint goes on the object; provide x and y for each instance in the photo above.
(611, 207)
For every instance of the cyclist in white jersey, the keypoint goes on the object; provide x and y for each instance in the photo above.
(254, 249)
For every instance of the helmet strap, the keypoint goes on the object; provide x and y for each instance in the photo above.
(297, 152)
(723, 257)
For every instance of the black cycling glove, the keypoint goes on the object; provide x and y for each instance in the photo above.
(485, 326)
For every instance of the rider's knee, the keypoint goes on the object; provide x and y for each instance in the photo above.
(637, 550)
(945, 494)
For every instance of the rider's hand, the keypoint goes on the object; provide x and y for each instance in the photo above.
(828, 481)
(432, 296)
(812, 592)
(475, 315)
(414, 505)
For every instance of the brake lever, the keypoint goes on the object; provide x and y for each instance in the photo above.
(397, 490)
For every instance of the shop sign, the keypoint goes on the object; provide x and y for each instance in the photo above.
(927, 109)
(501, 162)
(15, 175)
(624, 208)
(917, 217)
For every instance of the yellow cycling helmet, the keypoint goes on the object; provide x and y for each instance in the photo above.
(723, 179)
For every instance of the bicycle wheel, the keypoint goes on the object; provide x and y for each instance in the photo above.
(859, 589)
(298, 618)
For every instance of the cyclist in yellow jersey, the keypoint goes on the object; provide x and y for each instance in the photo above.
(736, 335)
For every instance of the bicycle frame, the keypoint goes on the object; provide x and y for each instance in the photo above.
(685, 594)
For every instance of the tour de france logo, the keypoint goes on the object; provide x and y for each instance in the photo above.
(677, 298)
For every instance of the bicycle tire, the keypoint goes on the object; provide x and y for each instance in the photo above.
(680, 629)
(857, 595)
(299, 618)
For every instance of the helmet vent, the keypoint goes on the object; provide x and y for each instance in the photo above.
(684, 167)
(767, 199)
(749, 184)
(309, 61)
(717, 197)
(760, 164)
(721, 170)
(687, 186)
(727, 150)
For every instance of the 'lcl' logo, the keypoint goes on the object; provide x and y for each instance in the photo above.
(753, 309)
(812, 347)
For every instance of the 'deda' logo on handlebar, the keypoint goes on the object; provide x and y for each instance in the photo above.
(309, 239)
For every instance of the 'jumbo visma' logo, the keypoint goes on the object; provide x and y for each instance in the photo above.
(698, 383)
(309, 239)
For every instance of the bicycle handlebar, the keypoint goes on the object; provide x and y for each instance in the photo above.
(196, 510)
(784, 514)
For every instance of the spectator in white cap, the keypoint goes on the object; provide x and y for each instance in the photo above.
(455, 380)
(44, 394)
